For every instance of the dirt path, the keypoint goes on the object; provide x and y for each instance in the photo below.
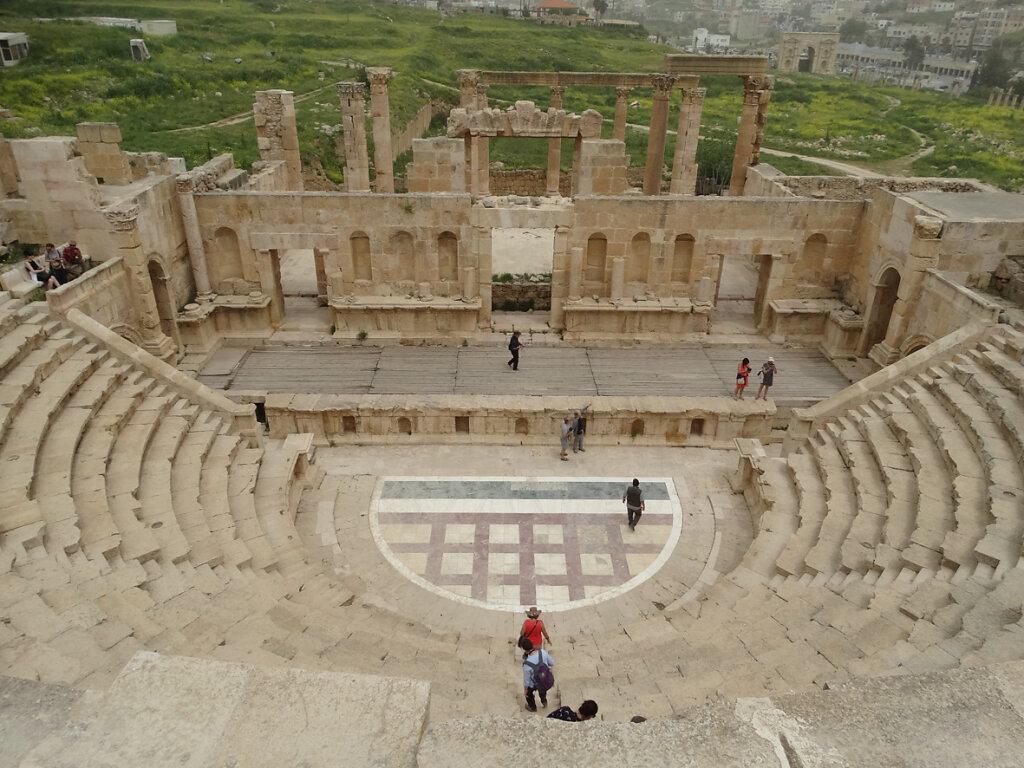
(241, 117)
(847, 168)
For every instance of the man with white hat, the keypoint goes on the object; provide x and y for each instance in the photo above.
(767, 374)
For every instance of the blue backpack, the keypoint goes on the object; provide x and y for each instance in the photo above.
(543, 677)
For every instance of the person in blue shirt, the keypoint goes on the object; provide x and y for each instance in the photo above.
(532, 657)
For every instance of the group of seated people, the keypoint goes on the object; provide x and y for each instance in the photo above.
(56, 267)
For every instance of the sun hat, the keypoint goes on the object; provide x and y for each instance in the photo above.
(771, 359)
(533, 613)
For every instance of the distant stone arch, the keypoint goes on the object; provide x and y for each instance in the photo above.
(811, 263)
(813, 52)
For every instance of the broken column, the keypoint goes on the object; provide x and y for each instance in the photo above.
(380, 110)
(659, 129)
(483, 185)
(277, 135)
(193, 237)
(757, 90)
(124, 224)
(353, 121)
(621, 106)
(684, 164)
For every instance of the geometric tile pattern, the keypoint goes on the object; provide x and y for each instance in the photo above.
(508, 543)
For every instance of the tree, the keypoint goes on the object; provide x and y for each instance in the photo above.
(600, 6)
(995, 70)
(913, 54)
(853, 31)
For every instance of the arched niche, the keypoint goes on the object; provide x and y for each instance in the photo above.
(361, 265)
(595, 264)
(225, 263)
(682, 258)
(522, 426)
(404, 255)
(448, 257)
(639, 263)
(886, 293)
(811, 264)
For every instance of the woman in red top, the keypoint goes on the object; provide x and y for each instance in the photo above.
(533, 627)
(742, 377)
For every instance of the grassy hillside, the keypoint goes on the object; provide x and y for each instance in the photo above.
(78, 71)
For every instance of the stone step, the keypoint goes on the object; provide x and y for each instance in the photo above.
(30, 712)
(170, 711)
(859, 549)
(841, 504)
(811, 494)
(155, 495)
(241, 489)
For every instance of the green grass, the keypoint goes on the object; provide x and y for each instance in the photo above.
(80, 72)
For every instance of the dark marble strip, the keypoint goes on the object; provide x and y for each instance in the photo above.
(516, 489)
(514, 518)
(407, 547)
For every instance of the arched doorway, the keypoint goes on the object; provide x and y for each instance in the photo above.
(806, 63)
(164, 301)
(886, 290)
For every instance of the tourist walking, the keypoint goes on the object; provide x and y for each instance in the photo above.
(565, 437)
(537, 677)
(767, 374)
(579, 428)
(533, 628)
(742, 377)
(633, 498)
(587, 711)
(514, 345)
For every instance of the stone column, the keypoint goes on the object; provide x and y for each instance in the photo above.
(270, 282)
(621, 106)
(353, 121)
(555, 145)
(559, 275)
(277, 135)
(757, 90)
(484, 149)
(381, 113)
(469, 79)
(992, 96)
(659, 128)
(481, 274)
(684, 164)
(193, 237)
(618, 278)
(125, 225)
(320, 256)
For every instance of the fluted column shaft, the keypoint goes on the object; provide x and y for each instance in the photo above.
(380, 111)
(684, 164)
(757, 90)
(658, 131)
(353, 121)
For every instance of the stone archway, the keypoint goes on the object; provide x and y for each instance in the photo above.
(164, 300)
(884, 299)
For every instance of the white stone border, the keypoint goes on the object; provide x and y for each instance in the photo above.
(640, 578)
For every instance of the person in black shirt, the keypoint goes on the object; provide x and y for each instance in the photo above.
(587, 711)
(514, 346)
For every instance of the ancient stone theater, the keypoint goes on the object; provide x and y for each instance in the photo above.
(273, 493)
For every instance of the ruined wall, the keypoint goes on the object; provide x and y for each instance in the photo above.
(972, 250)
(162, 232)
(943, 306)
(737, 226)
(103, 293)
(387, 245)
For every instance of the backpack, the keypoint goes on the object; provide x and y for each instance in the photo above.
(633, 496)
(543, 677)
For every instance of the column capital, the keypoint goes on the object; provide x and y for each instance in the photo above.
(123, 219)
(468, 78)
(185, 183)
(623, 91)
(757, 82)
(379, 77)
(348, 90)
(557, 90)
(693, 95)
(662, 85)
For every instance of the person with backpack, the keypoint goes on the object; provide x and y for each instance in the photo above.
(633, 498)
(537, 675)
(533, 628)
(514, 345)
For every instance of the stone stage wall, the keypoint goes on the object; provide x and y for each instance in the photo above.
(657, 421)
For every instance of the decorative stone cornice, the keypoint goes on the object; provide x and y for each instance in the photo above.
(123, 219)
(348, 90)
